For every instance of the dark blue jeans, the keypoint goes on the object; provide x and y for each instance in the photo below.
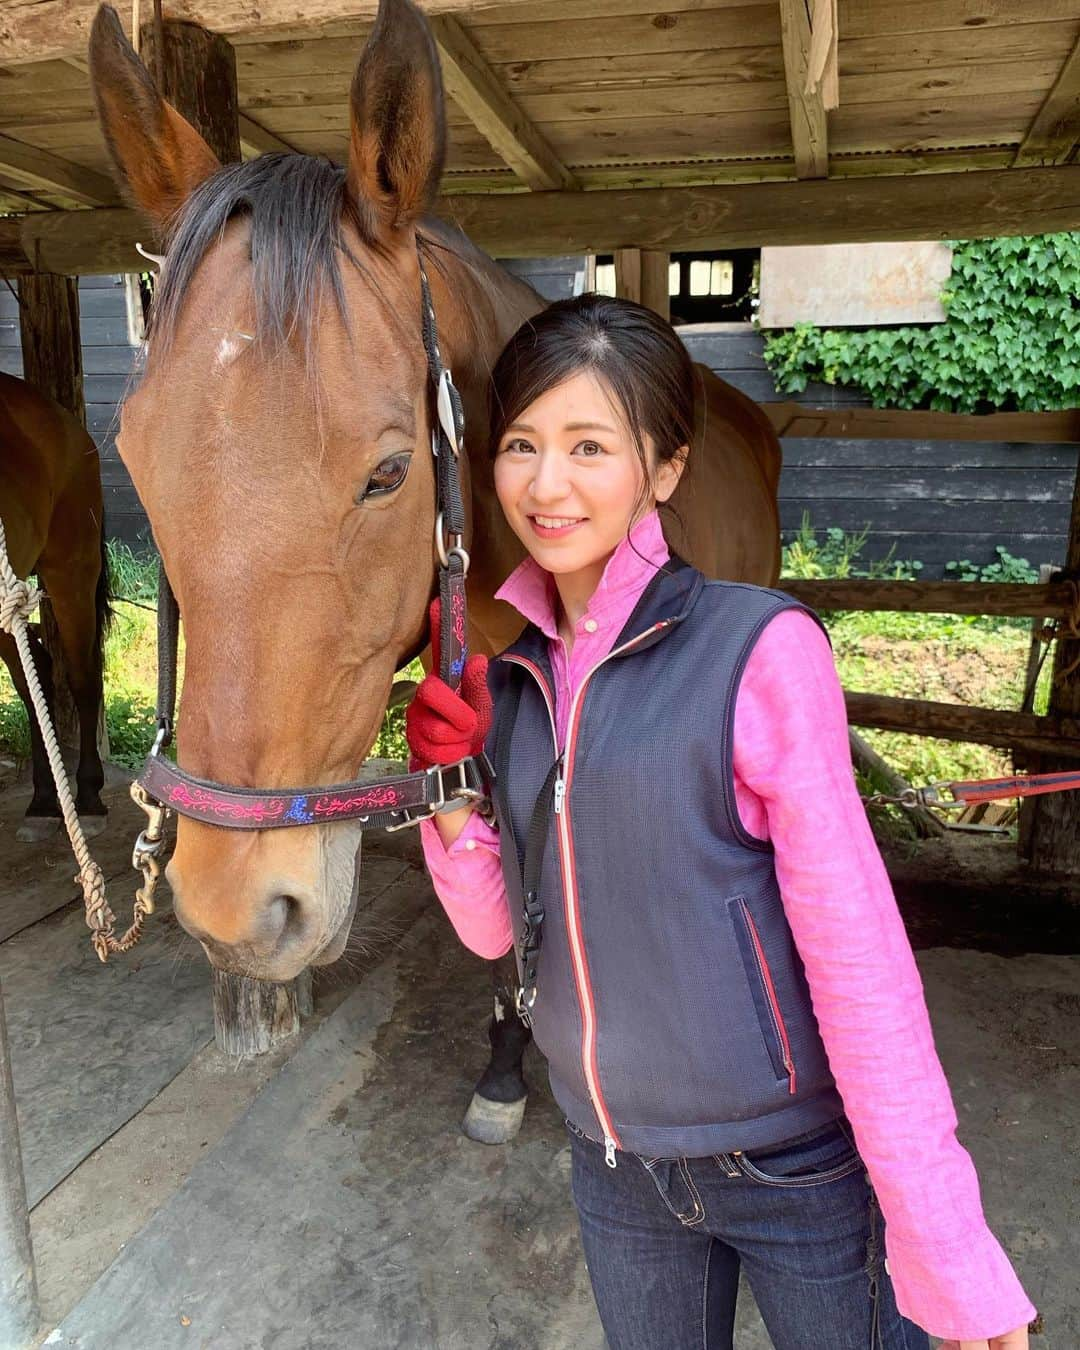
(665, 1238)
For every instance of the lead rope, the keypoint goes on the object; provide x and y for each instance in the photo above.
(18, 600)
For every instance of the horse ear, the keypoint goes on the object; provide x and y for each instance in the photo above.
(397, 145)
(160, 158)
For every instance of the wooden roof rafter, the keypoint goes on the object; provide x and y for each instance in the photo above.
(1054, 135)
(36, 170)
(474, 87)
(808, 32)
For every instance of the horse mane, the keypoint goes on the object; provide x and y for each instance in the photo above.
(297, 205)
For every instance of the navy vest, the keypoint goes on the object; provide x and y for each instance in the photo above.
(672, 1006)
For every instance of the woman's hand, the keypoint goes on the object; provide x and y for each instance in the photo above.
(1012, 1340)
(442, 726)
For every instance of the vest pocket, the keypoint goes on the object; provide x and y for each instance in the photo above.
(771, 1019)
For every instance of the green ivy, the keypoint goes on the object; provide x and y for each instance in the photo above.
(1010, 339)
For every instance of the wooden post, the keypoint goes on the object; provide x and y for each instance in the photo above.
(1050, 825)
(196, 72)
(52, 362)
(19, 1317)
(641, 274)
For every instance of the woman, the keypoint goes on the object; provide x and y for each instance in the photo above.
(710, 950)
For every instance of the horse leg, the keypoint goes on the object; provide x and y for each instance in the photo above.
(71, 592)
(43, 813)
(498, 1104)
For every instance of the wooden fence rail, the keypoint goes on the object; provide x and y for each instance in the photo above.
(1000, 598)
(955, 722)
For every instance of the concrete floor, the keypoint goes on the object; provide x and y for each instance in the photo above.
(327, 1198)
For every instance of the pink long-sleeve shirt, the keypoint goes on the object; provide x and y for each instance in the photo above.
(794, 786)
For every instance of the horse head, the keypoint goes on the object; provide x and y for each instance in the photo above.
(280, 441)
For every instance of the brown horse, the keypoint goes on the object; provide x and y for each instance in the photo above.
(280, 442)
(50, 503)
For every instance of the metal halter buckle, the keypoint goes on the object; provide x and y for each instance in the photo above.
(449, 546)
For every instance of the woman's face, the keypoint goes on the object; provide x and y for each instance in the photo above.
(568, 476)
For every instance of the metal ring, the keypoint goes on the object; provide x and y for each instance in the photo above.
(455, 549)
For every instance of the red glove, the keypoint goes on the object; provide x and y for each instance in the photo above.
(442, 726)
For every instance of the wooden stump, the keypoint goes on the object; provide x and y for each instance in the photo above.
(253, 1016)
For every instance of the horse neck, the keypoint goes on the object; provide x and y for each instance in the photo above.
(478, 305)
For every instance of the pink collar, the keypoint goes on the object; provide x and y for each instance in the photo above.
(531, 589)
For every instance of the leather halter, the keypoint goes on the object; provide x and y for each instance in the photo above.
(387, 803)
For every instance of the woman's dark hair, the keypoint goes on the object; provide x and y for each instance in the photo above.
(634, 352)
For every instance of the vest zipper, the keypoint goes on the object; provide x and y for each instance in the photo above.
(569, 878)
(770, 994)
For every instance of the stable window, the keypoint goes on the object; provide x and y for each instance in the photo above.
(706, 287)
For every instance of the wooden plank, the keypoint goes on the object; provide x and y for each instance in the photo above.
(953, 722)
(934, 548)
(925, 124)
(978, 47)
(36, 169)
(558, 11)
(680, 98)
(470, 82)
(870, 18)
(919, 456)
(964, 487)
(583, 143)
(1015, 201)
(704, 69)
(793, 419)
(256, 140)
(1054, 134)
(741, 26)
(932, 515)
(1003, 599)
(55, 28)
(806, 111)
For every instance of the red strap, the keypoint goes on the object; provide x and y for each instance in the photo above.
(1022, 785)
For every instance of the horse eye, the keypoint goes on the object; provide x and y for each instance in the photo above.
(387, 476)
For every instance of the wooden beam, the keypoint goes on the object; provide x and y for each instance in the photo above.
(40, 171)
(642, 275)
(49, 29)
(806, 109)
(954, 722)
(477, 91)
(256, 140)
(1054, 135)
(901, 424)
(816, 211)
(1000, 598)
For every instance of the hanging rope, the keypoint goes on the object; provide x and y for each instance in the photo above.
(18, 600)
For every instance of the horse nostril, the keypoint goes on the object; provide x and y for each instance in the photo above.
(286, 923)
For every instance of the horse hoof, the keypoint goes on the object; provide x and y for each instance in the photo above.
(36, 829)
(491, 1122)
(92, 826)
